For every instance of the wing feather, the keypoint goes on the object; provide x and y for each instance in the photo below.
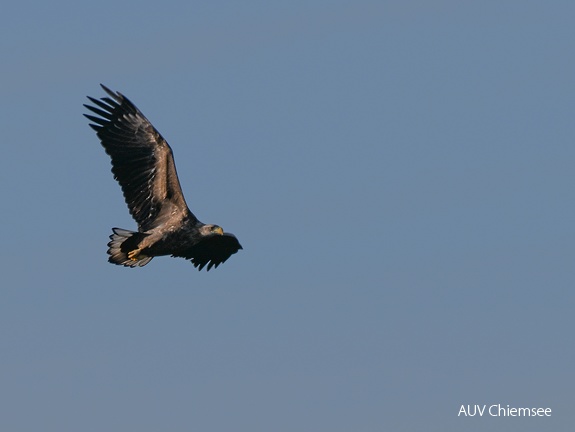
(142, 161)
(212, 250)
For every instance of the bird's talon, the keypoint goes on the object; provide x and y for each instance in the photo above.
(133, 255)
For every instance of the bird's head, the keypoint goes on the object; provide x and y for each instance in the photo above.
(212, 229)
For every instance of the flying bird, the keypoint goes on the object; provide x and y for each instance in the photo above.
(143, 164)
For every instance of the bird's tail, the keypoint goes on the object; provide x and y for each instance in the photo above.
(123, 248)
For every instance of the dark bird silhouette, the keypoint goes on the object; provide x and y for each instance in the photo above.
(143, 165)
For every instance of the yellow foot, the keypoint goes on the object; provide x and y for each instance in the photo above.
(133, 255)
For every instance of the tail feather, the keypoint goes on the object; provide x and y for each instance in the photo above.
(121, 243)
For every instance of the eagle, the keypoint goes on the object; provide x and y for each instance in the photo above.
(143, 164)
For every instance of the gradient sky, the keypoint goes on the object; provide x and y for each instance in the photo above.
(400, 174)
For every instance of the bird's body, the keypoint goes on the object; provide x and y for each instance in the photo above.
(143, 164)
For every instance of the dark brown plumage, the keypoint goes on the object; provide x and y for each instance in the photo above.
(143, 165)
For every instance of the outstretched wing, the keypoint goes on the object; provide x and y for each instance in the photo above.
(142, 161)
(212, 250)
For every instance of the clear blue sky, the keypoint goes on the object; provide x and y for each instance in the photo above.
(400, 174)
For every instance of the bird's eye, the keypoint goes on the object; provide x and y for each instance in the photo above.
(217, 229)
